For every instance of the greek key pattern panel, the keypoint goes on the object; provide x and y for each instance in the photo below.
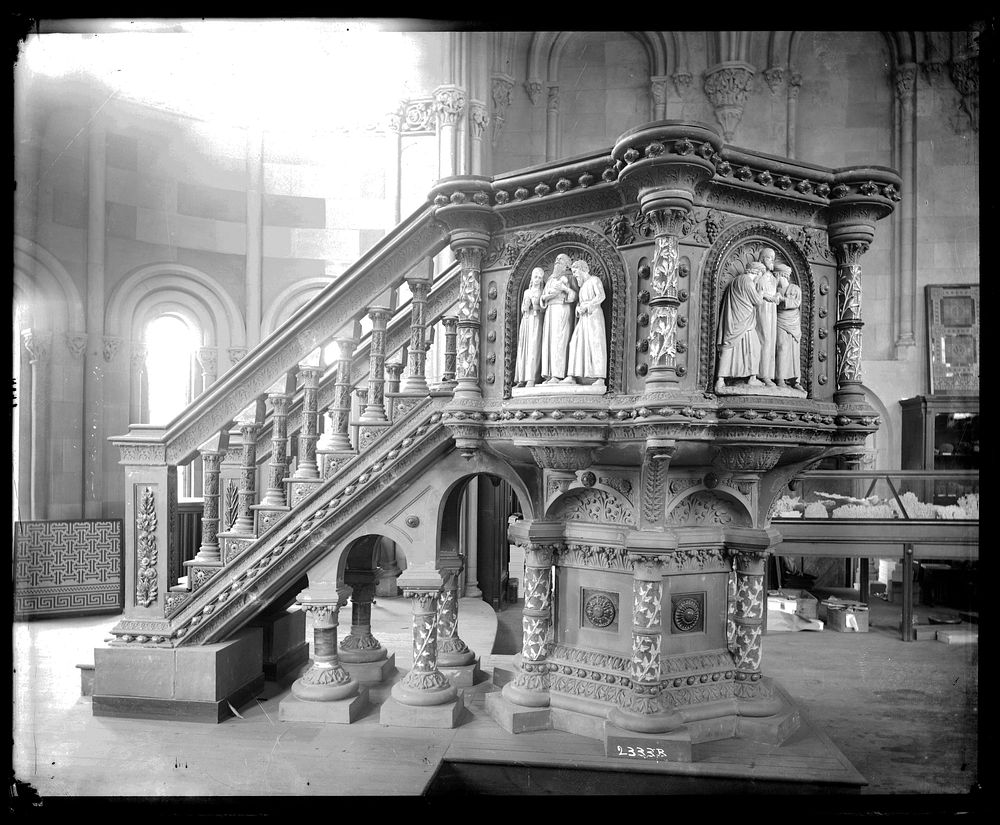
(68, 567)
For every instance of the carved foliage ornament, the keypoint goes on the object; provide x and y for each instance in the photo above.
(735, 248)
(145, 525)
(704, 507)
(594, 506)
(580, 243)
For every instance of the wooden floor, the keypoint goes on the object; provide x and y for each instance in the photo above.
(838, 681)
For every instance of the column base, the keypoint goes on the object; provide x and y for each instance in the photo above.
(524, 697)
(455, 660)
(359, 656)
(438, 692)
(338, 712)
(309, 691)
(446, 715)
(463, 675)
(515, 718)
(371, 672)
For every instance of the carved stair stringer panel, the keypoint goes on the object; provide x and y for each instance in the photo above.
(290, 548)
(418, 238)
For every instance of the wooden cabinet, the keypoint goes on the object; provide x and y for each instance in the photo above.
(940, 432)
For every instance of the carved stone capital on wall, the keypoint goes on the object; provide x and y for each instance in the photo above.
(236, 354)
(553, 99)
(501, 87)
(76, 343)
(534, 89)
(139, 353)
(38, 344)
(965, 76)
(111, 347)
(773, 76)
(480, 117)
(934, 72)
(682, 81)
(208, 357)
(394, 119)
(905, 81)
(727, 87)
(794, 84)
(418, 117)
(449, 105)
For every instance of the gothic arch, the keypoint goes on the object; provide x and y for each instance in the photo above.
(289, 301)
(604, 261)
(331, 567)
(727, 257)
(187, 285)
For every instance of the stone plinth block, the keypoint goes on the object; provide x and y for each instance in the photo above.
(86, 680)
(646, 747)
(397, 714)
(197, 683)
(371, 672)
(502, 674)
(769, 730)
(463, 676)
(285, 647)
(580, 724)
(516, 718)
(339, 712)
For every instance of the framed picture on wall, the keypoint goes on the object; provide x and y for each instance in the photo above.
(953, 339)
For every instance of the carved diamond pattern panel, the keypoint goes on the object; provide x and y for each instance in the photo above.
(67, 568)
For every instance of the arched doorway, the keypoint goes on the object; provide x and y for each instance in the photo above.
(476, 515)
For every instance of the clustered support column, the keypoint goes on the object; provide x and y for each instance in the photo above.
(424, 684)
(530, 687)
(468, 344)
(664, 301)
(375, 407)
(274, 496)
(415, 380)
(306, 467)
(645, 711)
(335, 437)
(450, 324)
(360, 646)
(248, 479)
(325, 680)
(749, 620)
(849, 323)
(452, 650)
(209, 550)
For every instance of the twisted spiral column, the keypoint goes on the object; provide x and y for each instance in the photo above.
(209, 549)
(275, 493)
(415, 380)
(748, 618)
(248, 480)
(307, 467)
(452, 650)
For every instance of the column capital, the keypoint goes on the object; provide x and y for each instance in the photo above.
(38, 343)
(449, 104)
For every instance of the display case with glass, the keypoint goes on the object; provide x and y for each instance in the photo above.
(940, 433)
(886, 495)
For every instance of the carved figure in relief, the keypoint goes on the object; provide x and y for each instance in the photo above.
(737, 338)
(527, 368)
(588, 356)
(789, 328)
(767, 317)
(557, 299)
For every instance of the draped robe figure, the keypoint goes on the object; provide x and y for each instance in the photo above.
(767, 328)
(737, 339)
(527, 368)
(789, 338)
(588, 354)
(557, 299)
